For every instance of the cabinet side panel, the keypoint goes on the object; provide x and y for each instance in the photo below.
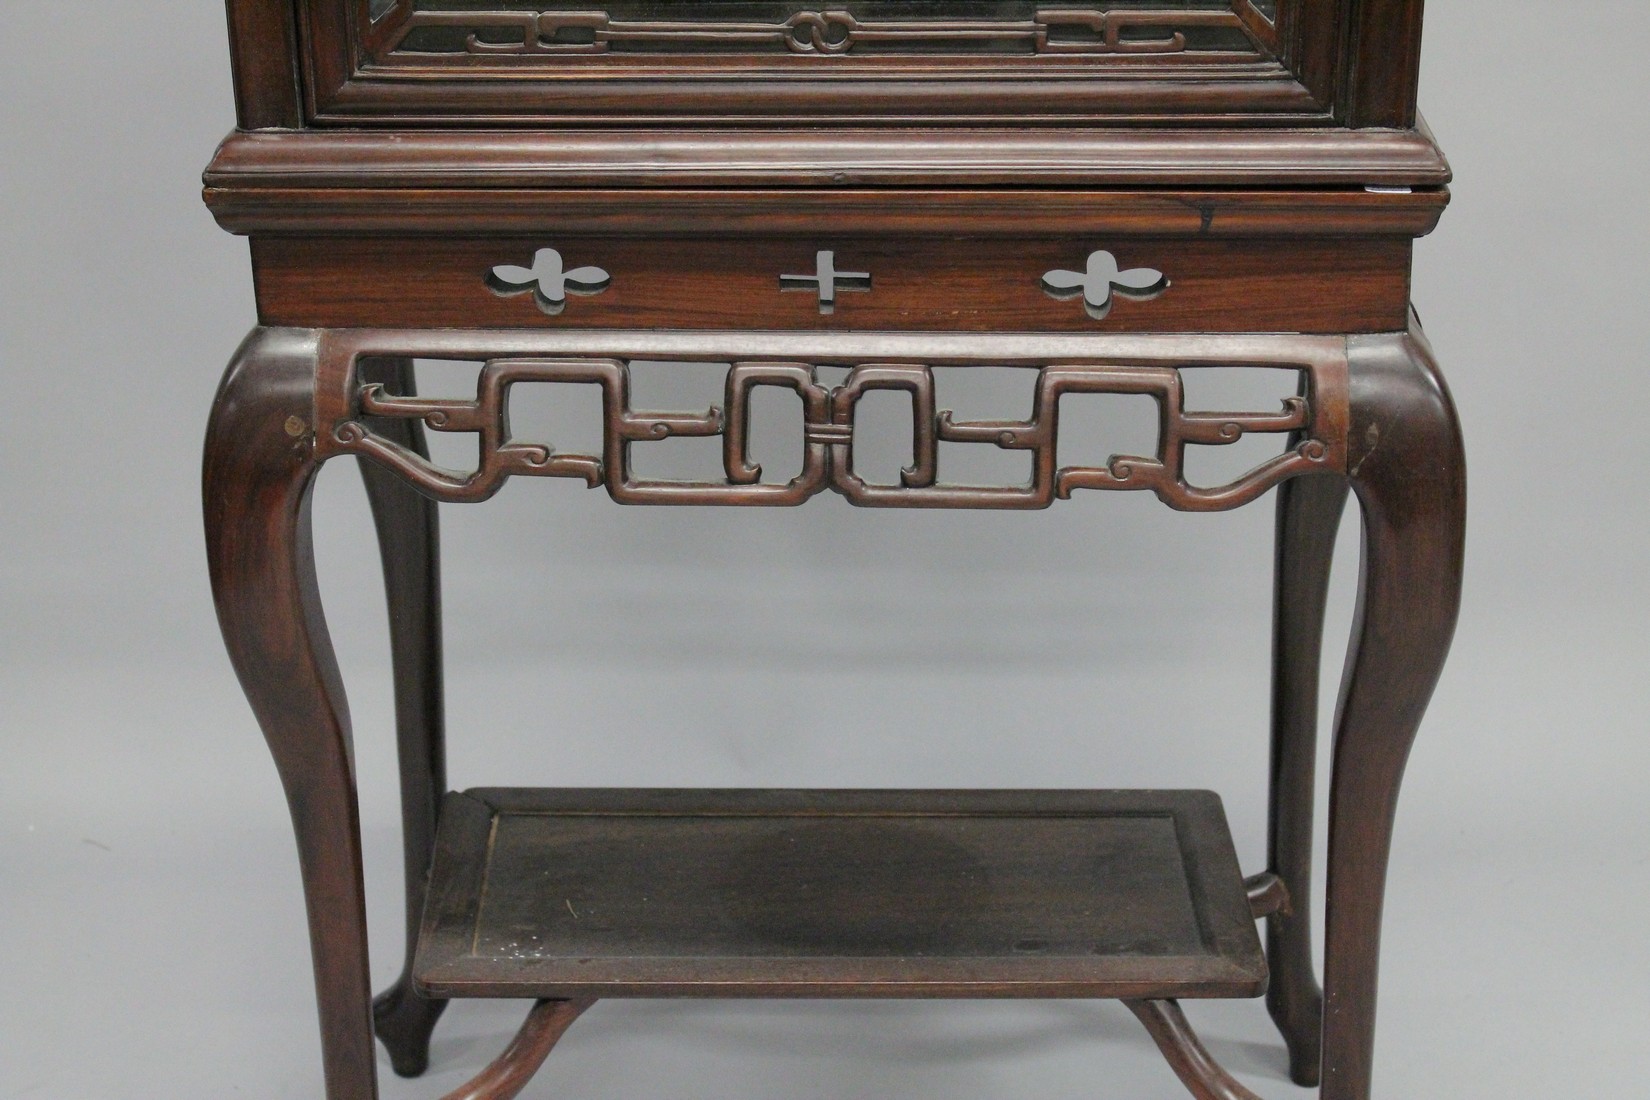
(263, 50)
(1383, 63)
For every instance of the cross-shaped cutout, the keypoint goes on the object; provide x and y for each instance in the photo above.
(827, 280)
(1098, 283)
(546, 279)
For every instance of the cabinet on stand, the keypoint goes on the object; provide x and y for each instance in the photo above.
(835, 201)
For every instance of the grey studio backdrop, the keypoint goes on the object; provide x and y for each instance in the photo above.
(152, 938)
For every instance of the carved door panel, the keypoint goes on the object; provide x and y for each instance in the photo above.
(804, 61)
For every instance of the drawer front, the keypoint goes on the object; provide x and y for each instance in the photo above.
(840, 283)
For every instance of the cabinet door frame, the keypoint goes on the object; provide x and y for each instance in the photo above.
(328, 63)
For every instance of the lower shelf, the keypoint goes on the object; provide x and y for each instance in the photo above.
(804, 893)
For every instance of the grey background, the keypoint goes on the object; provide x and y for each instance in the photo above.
(151, 931)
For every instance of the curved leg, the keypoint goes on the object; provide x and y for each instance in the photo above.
(259, 469)
(509, 1073)
(1191, 1061)
(409, 543)
(1309, 515)
(1406, 465)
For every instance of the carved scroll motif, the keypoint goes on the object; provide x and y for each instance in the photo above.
(828, 458)
(1048, 31)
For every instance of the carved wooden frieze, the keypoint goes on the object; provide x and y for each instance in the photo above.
(1076, 29)
(829, 436)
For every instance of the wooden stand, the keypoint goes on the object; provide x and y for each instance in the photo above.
(559, 195)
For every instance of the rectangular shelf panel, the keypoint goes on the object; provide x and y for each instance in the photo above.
(808, 893)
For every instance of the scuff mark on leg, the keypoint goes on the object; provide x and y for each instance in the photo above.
(1372, 440)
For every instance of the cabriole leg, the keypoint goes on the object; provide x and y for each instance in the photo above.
(409, 542)
(1309, 514)
(1406, 465)
(259, 470)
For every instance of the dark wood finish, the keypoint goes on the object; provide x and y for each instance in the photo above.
(880, 37)
(923, 98)
(919, 283)
(1278, 185)
(383, 85)
(323, 211)
(331, 53)
(1312, 49)
(1351, 62)
(1355, 64)
(259, 471)
(263, 51)
(1404, 463)
(1191, 1061)
(557, 893)
(1383, 66)
(836, 158)
(1313, 423)
(1409, 473)
(1308, 516)
(1267, 892)
(510, 1072)
(409, 541)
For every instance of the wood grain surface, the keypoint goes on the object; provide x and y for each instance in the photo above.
(957, 284)
(557, 893)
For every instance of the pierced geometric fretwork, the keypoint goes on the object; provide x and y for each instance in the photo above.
(828, 437)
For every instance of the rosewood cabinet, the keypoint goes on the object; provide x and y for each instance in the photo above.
(831, 200)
